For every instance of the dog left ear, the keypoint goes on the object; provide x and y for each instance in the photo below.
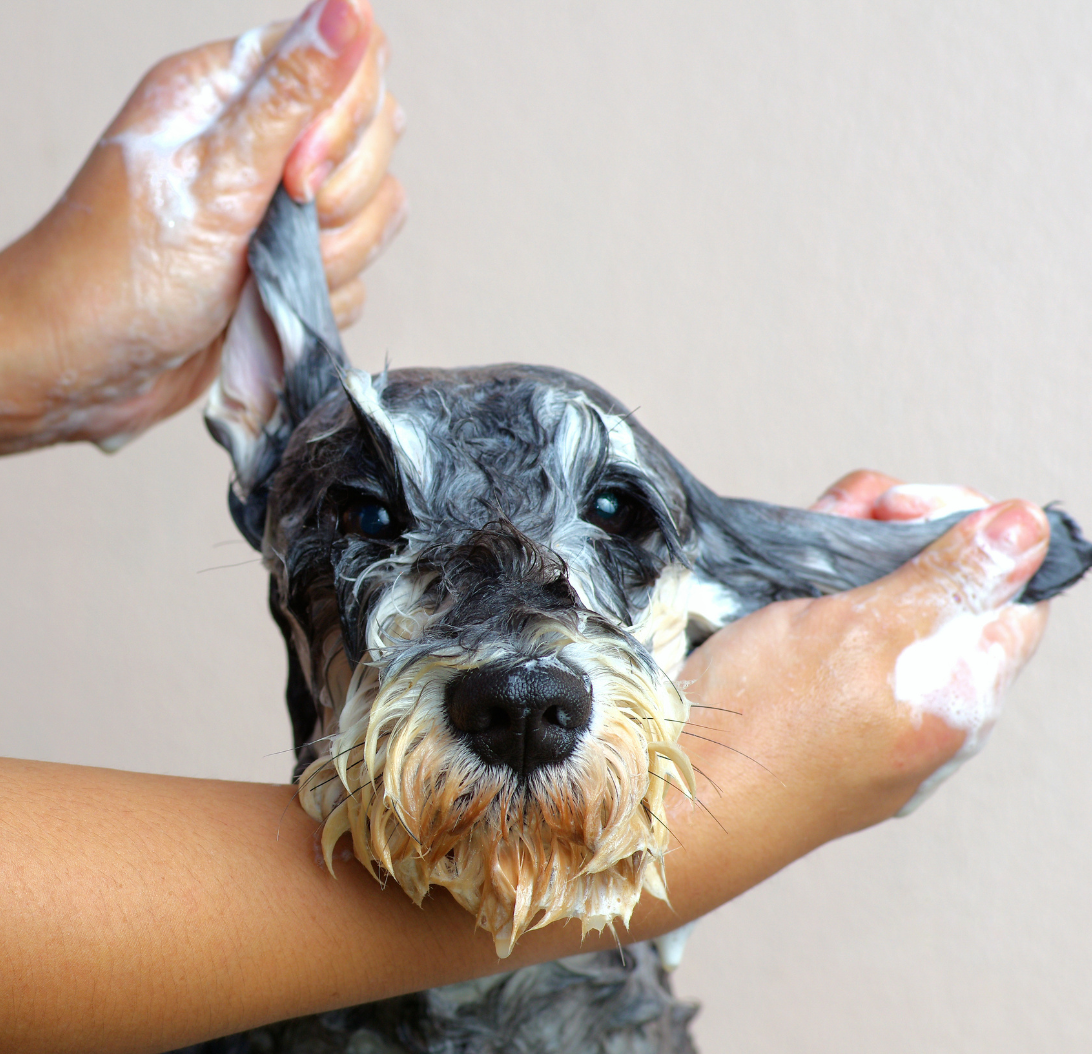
(762, 553)
(281, 356)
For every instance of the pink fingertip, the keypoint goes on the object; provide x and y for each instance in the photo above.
(339, 24)
(1015, 528)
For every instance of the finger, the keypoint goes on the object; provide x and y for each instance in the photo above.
(334, 133)
(977, 566)
(347, 250)
(926, 501)
(309, 68)
(216, 71)
(355, 181)
(249, 50)
(854, 495)
(348, 302)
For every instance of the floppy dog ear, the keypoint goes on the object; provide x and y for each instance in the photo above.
(761, 553)
(282, 354)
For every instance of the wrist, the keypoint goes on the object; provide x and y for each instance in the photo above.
(30, 372)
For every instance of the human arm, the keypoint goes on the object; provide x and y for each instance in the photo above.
(144, 912)
(113, 307)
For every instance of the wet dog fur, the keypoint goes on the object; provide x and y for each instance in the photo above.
(487, 580)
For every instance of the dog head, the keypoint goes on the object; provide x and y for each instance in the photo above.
(483, 579)
(487, 579)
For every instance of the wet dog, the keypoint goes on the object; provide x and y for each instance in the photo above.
(487, 580)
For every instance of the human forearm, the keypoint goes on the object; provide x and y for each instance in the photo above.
(146, 912)
(29, 331)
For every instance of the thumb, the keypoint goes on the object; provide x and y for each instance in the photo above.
(961, 641)
(979, 565)
(306, 73)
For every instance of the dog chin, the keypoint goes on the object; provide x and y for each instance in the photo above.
(579, 839)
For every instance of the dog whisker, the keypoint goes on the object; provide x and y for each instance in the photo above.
(223, 567)
(652, 816)
(721, 709)
(685, 721)
(692, 797)
(295, 750)
(708, 779)
(739, 752)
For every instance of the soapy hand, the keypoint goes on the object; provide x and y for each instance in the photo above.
(868, 698)
(953, 672)
(121, 295)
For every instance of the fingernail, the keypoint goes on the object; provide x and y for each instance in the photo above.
(339, 24)
(398, 120)
(1013, 529)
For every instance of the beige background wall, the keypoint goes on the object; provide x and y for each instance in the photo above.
(801, 237)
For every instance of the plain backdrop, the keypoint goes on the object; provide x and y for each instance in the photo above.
(800, 237)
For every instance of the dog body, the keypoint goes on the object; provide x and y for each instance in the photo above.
(487, 580)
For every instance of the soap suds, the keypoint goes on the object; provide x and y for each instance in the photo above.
(157, 151)
(671, 946)
(942, 499)
(156, 157)
(959, 674)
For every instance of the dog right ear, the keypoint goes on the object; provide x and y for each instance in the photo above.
(281, 356)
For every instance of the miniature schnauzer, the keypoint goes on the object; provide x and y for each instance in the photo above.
(487, 580)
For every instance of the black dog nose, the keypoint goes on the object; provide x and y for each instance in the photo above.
(524, 717)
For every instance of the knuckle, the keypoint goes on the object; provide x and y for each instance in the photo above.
(167, 68)
(296, 81)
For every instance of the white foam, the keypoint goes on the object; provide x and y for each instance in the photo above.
(155, 150)
(944, 499)
(672, 945)
(959, 675)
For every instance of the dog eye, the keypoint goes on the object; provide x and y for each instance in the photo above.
(613, 512)
(370, 518)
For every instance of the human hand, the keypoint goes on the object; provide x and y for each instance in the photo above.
(832, 714)
(873, 495)
(122, 293)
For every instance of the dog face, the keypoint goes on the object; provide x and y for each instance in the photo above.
(487, 580)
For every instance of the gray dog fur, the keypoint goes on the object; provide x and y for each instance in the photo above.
(496, 488)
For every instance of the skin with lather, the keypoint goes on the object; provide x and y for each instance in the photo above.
(144, 912)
